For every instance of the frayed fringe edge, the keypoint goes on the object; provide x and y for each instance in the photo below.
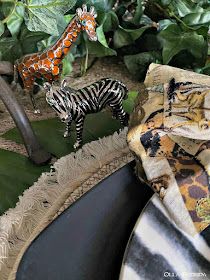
(38, 205)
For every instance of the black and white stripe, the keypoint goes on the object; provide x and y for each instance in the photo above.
(74, 105)
(158, 249)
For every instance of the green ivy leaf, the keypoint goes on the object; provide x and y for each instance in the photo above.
(101, 5)
(202, 30)
(137, 64)
(197, 19)
(203, 3)
(67, 64)
(145, 20)
(68, 18)
(58, 6)
(129, 103)
(15, 20)
(176, 40)
(165, 2)
(38, 20)
(10, 49)
(61, 23)
(1, 28)
(6, 8)
(101, 36)
(98, 50)
(138, 13)
(124, 37)
(186, 7)
(44, 15)
(111, 22)
(163, 24)
(28, 40)
(206, 70)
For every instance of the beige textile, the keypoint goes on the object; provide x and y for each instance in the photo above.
(169, 132)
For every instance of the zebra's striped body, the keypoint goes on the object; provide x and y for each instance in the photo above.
(74, 105)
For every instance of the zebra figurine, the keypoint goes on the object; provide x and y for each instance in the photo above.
(73, 105)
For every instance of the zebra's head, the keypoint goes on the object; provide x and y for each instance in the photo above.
(56, 98)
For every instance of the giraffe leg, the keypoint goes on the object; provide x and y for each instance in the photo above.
(48, 77)
(36, 110)
(15, 85)
(28, 83)
(79, 129)
(56, 78)
(15, 77)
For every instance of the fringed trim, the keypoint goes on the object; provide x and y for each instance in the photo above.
(54, 192)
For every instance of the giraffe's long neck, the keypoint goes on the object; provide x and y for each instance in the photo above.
(63, 44)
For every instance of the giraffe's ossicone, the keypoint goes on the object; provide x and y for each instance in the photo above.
(47, 65)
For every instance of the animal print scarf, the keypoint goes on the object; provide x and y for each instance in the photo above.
(170, 136)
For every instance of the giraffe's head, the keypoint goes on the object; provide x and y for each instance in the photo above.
(87, 21)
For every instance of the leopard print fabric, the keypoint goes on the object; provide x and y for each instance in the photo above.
(171, 140)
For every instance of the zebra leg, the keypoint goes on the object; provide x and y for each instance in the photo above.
(120, 114)
(79, 129)
(114, 115)
(67, 131)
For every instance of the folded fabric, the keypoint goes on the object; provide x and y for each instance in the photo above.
(158, 249)
(168, 133)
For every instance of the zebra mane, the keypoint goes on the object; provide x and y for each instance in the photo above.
(67, 89)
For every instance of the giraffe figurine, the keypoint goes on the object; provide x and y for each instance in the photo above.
(47, 65)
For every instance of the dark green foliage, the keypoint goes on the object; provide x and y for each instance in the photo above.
(165, 31)
(17, 173)
(175, 40)
(138, 63)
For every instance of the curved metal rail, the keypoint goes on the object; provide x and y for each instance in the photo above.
(35, 151)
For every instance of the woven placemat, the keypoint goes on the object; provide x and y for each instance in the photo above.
(54, 192)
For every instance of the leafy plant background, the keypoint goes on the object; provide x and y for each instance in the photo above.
(164, 31)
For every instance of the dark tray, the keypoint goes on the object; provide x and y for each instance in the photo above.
(88, 240)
